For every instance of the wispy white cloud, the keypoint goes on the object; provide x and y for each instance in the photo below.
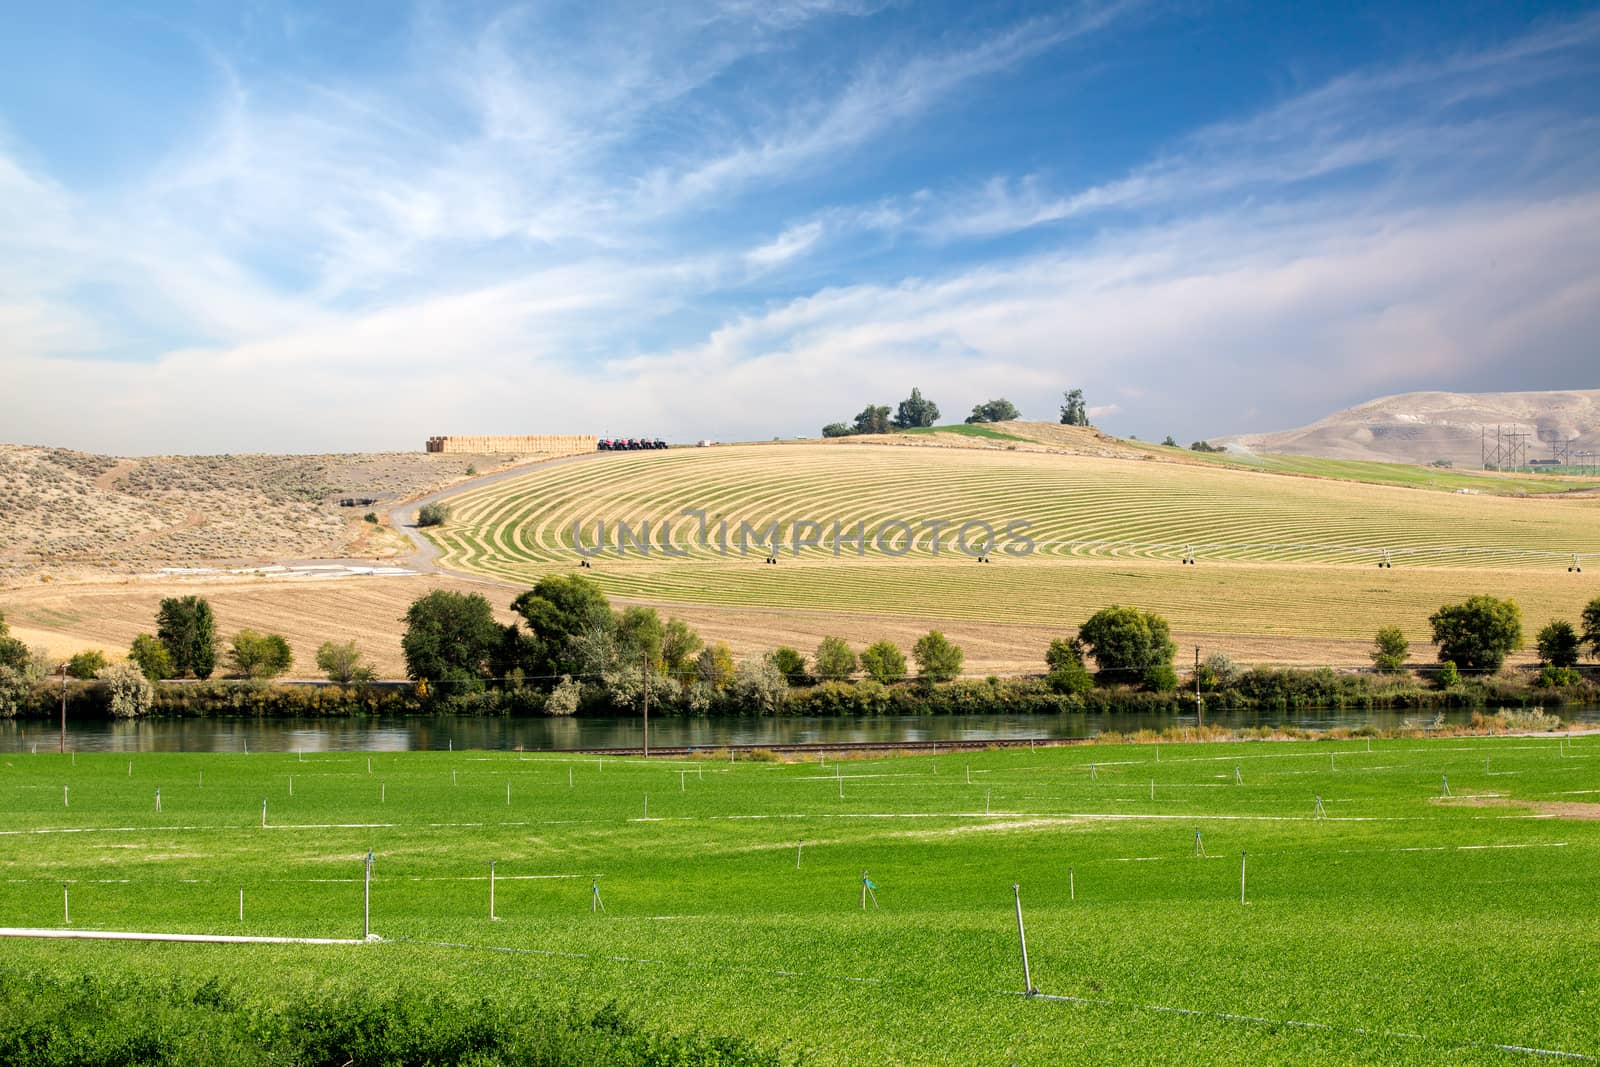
(562, 258)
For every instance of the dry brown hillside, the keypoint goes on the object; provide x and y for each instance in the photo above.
(1425, 427)
(66, 510)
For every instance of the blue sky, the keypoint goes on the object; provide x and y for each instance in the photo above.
(281, 227)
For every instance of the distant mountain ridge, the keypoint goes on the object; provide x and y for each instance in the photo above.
(1424, 427)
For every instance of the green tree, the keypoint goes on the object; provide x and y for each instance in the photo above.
(1478, 633)
(129, 693)
(1169, 442)
(714, 666)
(1389, 650)
(1128, 645)
(87, 664)
(257, 655)
(1001, 410)
(341, 662)
(1074, 412)
(679, 647)
(838, 429)
(834, 662)
(874, 418)
(789, 663)
(14, 653)
(1591, 626)
(1559, 644)
(450, 638)
(937, 659)
(1205, 446)
(188, 628)
(151, 654)
(639, 634)
(433, 515)
(884, 662)
(557, 609)
(1066, 672)
(914, 411)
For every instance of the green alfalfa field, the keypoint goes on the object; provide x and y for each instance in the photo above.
(1403, 927)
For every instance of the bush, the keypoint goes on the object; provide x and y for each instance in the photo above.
(834, 662)
(1591, 626)
(714, 666)
(87, 664)
(1558, 644)
(129, 693)
(341, 662)
(259, 656)
(884, 662)
(1066, 672)
(151, 654)
(564, 698)
(1554, 677)
(937, 659)
(1389, 650)
(1448, 675)
(371, 516)
(1160, 678)
(790, 663)
(1477, 634)
(760, 687)
(15, 690)
(432, 515)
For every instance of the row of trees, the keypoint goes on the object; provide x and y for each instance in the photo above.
(916, 411)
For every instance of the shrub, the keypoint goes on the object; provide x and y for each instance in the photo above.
(760, 687)
(1448, 675)
(151, 654)
(1558, 644)
(129, 693)
(432, 515)
(1477, 633)
(341, 662)
(1389, 650)
(937, 659)
(371, 516)
(14, 691)
(884, 662)
(1554, 677)
(258, 655)
(564, 698)
(1066, 673)
(87, 664)
(834, 662)
(790, 663)
(1160, 678)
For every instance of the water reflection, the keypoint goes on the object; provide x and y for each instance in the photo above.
(393, 734)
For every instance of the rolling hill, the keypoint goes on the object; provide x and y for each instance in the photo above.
(1427, 427)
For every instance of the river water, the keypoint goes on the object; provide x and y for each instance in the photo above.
(400, 734)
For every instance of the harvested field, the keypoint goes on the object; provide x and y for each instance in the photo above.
(70, 617)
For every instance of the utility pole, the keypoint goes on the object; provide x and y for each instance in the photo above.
(63, 709)
(1199, 706)
(644, 676)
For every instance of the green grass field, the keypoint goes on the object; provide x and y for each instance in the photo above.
(1402, 928)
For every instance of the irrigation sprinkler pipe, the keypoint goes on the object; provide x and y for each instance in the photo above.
(127, 935)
